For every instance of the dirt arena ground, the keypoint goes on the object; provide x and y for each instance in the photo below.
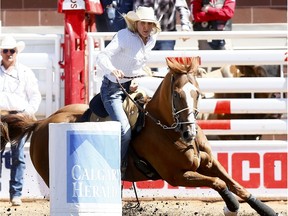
(147, 208)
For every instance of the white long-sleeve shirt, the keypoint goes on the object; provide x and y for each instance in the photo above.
(19, 89)
(125, 52)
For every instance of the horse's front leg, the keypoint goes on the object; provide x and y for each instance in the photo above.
(195, 179)
(217, 170)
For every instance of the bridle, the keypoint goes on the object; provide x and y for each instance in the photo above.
(175, 113)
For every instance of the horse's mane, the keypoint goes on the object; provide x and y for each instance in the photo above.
(18, 126)
(182, 65)
(185, 65)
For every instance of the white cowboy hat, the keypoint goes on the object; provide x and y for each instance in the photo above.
(9, 42)
(145, 14)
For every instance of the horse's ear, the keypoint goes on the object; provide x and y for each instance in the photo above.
(195, 62)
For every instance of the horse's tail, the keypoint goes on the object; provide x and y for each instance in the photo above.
(19, 126)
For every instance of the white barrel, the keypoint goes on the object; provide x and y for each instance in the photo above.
(84, 165)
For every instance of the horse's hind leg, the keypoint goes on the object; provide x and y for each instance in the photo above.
(217, 170)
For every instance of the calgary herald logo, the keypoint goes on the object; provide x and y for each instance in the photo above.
(93, 167)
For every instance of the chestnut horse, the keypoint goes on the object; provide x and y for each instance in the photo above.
(170, 146)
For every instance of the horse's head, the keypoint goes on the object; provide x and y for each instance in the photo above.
(184, 93)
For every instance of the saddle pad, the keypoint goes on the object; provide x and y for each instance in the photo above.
(97, 106)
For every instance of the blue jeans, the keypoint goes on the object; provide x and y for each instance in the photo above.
(113, 96)
(17, 169)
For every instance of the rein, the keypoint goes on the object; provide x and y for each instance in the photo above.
(141, 76)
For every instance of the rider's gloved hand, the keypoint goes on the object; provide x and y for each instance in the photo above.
(118, 73)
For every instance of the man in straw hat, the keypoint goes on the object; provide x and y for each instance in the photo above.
(20, 95)
(125, 58)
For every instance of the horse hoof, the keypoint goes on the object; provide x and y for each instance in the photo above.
(227, 212)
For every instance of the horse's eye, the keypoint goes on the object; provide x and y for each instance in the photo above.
(175, 94)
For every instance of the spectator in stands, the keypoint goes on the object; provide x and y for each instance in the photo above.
(20, 95)
(165, 11)
(212, 15)
(112, 20)
(122, 59)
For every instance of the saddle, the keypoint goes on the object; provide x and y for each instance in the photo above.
(135, 116)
